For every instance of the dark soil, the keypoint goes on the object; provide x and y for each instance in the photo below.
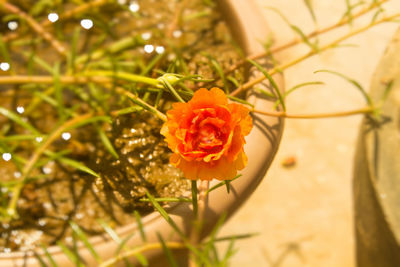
(57, 193)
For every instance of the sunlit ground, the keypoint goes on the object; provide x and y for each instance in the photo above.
(304, 214)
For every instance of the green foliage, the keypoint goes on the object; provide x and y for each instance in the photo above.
(353, 82)
(107, 143)
(17, 119)
(223, 183)
(274, 85)
(310, 8)
(306, 40)
(140, 225)
(82, 237)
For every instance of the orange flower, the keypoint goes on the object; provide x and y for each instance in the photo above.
(206, 135)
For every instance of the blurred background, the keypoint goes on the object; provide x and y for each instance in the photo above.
(303, 209)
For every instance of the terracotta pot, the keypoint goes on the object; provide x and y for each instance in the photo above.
(248, 28)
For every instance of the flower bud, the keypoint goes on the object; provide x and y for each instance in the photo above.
(169, 77)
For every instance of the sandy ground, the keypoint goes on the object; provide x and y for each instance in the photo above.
(303, 214)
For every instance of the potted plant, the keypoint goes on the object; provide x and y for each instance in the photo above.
(117, 82)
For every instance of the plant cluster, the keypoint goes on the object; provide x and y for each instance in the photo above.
(86, 88)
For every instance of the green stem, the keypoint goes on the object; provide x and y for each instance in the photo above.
(125, 76)
(366, 110)
(167, 199)
(199, 204)
(194, 199)
(169, 87)
(142, 104)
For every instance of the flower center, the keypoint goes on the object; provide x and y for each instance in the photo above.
(208, 137)
(207, 133)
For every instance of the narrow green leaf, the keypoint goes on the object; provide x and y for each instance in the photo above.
(278, 11)
(70, 254)
(141, 259)
(165, 215)
(52, 102)
(376, 14)
(217, 227)
(294, 88)
(193, 78)
(220, 72)
(386, 92)
(239, 100)
(128, 110)
(17, 119)
(19, 161)
(296, 29)
(73, 51)
(229, 253)
(122, 246)
(158, 99)
(35, 102)
(40, 6)
(46, 98)
(228, 186)
(172, 66)
(146, 96)
(167, 252)
(123, 243)
(353, 82)
(4, 51)
(114, 236)
(107, 143)
(78, 165)
(140, 225)
(49, 257)
(210, 244)
(221, 184)
(54, 156)
(265, 93)
(152, 63)
(271, 80)
(40, 260)
(233, 80)
(310, 9)
(18, 137)
(82, 237)
(90, 120)
(170, 88)
(305, 39)
(40, 62)
(99, 96)
(297, 86)
(236, 237)
(145, 106)
(197, 15)
(58, 91)
(167, 199)
(348, 13)
(182, 65)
